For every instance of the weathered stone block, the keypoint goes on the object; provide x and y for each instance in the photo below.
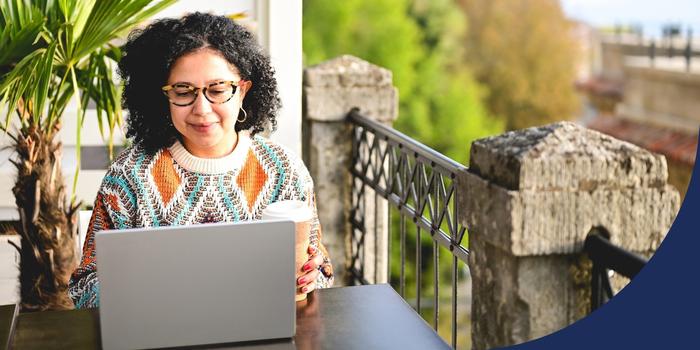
(329, 104)
(565, 156)
(510, 308)
(557, 222)
(347, 71)
(529, 199)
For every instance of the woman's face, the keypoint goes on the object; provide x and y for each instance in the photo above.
(207, 129)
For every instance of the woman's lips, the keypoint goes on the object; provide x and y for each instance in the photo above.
(202, 127)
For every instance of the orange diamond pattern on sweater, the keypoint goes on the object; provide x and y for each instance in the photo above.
(251, 179)
(166, 178)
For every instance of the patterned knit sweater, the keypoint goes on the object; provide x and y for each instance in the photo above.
(173, 187)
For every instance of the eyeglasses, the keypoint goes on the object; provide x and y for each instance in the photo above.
(181, 94)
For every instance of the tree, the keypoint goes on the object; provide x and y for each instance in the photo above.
(421, 43)
(452, 98)
(51, 51)
(523, 51)
(377, 31)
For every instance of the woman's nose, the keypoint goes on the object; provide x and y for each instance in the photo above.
(201, 105)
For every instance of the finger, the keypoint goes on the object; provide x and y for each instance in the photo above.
(308, 288)
(309, 277)
(312, 250)
(314, 262)
(310, 264)
(318, 260)
(310, 285)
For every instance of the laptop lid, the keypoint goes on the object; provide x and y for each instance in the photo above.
(197, 284)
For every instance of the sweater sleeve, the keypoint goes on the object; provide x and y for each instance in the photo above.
(84, 286)
(109, 212)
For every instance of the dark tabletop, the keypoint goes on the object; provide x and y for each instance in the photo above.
(362, 317)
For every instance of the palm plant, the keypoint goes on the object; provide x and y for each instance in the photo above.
(53, 52)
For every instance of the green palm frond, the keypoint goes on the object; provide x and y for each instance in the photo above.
(19, 29)
(16, 84)
(54, 50)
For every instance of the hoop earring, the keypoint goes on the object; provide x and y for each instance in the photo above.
(245, 116)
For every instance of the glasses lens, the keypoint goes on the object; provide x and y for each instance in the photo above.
(181, 94)
(220, 92)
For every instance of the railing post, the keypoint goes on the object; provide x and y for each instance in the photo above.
(331, 90)
(529, 200)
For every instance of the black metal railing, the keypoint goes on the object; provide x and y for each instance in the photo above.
(607, 256)
(412, 189)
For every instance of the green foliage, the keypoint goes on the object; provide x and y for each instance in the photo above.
(377, 31)
(524, 51)
(421, 43)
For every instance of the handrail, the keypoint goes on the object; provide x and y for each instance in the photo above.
(602, 251)
(419, 185)
(397, 138)
(604, 256)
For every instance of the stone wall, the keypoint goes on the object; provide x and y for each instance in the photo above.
(529, 200)
(659, 92)
(662, 97)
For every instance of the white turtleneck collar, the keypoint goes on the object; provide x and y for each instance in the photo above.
(232, 161)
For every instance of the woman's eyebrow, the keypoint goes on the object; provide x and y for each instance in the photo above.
(182, 82)
(207, 83)
(215, 81)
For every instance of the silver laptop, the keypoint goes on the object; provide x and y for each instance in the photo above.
(195, 285)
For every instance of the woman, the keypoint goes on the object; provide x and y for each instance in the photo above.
(198, 90)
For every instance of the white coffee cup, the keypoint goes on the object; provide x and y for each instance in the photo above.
(301, 214)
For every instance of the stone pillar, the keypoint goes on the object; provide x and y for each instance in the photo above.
(529, 199)
(331, 90)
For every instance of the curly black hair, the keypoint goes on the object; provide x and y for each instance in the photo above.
(149, 54)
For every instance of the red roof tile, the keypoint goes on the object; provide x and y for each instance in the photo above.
(675, 145)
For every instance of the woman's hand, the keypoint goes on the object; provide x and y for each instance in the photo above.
(306, 283)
